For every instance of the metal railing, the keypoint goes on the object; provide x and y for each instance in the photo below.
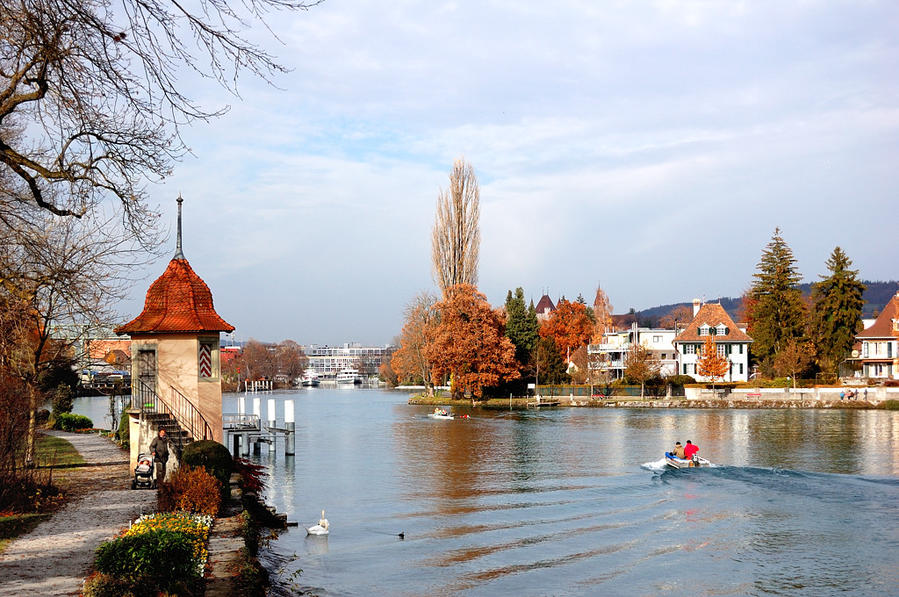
(178, 406)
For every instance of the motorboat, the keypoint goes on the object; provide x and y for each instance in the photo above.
(319, 529)
(310, 380)
(348, 377)
(675, 462)
(440, 413)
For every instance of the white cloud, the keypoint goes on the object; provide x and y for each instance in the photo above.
(613, 141)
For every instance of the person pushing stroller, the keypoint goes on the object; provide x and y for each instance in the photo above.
(159, 447)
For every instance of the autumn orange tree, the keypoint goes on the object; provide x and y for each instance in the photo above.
(468, 343)
(569, 326)
(409, 363)
(711, 364)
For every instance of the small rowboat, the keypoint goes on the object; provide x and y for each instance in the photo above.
(675, 462)
(442, 416)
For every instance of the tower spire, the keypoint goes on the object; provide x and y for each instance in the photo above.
(178, 253)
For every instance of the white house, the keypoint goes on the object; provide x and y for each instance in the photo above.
(616, 345)
(732, 342)
(879, 354)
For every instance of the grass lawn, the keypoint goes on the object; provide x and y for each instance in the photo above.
(18, 524)
(54, 451)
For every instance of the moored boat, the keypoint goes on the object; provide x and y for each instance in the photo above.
(310, 380)
(348, 377)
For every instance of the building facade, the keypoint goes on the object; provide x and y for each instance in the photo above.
(711, 320)
(327, 361)
(879, 344)
(610, 356)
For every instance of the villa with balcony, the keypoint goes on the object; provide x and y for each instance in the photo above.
(610, 356)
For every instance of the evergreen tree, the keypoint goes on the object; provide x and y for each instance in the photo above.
(777, 313)
(521, 325)
(836, 311)
(552, 368)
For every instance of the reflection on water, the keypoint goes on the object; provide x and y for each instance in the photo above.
(555, 501)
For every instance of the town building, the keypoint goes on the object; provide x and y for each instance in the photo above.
(711, 320)
(175, 345)
(610, 356)
(327, 361)
(544, 308)
(879, 350)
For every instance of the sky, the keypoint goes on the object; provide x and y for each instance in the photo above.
(650, 147)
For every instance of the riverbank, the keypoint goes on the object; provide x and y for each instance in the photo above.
(735, 401)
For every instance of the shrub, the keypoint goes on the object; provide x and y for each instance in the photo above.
(106, 585)
(890, 405)
(62, 398)
(252, 475)
(42, 416)
(190, 490)
(158, 556)
(679, 380)
(70, 422)
(212, 456)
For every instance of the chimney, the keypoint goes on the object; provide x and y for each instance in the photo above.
(696, 304)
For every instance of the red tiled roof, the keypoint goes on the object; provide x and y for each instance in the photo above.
(712, 314)
(545, 302)
(178, 301)
(883, 325)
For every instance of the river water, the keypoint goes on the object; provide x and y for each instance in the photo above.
(573, 502)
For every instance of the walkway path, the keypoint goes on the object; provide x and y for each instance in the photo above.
(54, 558)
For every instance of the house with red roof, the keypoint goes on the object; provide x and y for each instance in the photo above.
(175, 357)
(711, 319)
(879, 350)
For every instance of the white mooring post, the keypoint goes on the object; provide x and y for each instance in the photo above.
(272, 420)
(257, 410)
(290, 439)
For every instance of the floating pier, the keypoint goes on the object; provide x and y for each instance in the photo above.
(245, 432)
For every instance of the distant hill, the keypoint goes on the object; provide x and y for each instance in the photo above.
(876, 296)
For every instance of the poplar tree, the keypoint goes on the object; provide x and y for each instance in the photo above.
(836, 311)
(776, 313)
(521, 325)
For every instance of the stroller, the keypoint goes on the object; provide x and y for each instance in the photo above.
(144, 472)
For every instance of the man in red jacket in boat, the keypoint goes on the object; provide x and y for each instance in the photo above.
(690, 451)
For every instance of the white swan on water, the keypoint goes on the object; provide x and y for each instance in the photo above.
(319, 529)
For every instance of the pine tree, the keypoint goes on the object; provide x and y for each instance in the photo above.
(552, 368)
(836, 311)
(521, 325)
(777, 313)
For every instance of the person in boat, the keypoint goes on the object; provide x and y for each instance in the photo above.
(678, 450)
(690, 451)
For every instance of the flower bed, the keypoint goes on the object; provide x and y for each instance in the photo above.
(164, 552)
(195, 525)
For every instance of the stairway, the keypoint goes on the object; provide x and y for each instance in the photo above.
(178, 437)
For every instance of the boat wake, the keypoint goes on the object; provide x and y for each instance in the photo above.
(655, 466)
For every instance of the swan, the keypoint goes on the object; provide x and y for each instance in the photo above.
(319, 529)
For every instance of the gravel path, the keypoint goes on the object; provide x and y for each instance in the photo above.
(54, 558)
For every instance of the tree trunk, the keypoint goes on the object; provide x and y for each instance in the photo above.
(32, 424)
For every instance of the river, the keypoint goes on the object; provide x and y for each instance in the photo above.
(573, 502)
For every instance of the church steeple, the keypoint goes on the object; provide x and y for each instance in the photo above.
(179, 254)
